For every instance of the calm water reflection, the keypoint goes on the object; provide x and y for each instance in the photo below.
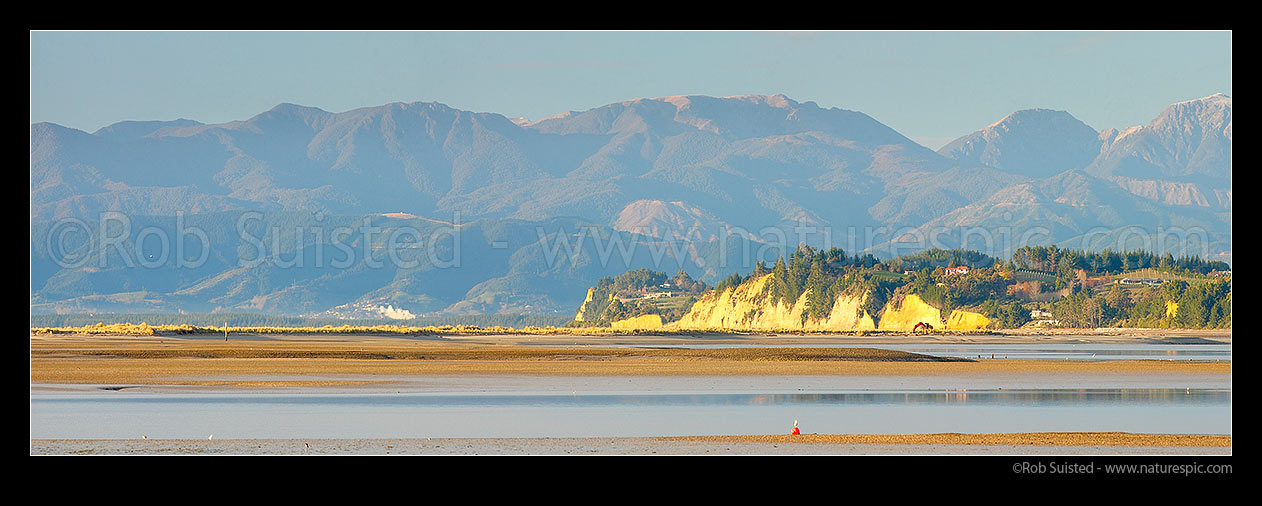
(120, 415)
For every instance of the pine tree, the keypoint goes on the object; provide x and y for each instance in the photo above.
(819, 301)
(779, 278)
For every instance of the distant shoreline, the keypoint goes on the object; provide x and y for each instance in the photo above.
(601, 332)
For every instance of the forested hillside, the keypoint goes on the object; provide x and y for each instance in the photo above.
(1037, 285)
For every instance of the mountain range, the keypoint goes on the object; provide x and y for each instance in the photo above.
(451, 211)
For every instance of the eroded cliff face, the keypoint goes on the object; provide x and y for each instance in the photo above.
(966, 320)
(579, 317)
(845, 315)
(747, 307)
(907, 314)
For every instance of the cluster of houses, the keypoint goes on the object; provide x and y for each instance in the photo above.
(950, 271)
(1041, 318)
(1141, 281)
(651, 292)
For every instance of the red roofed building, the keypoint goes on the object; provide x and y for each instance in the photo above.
(950, 271)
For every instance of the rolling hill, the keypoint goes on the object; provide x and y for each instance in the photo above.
(535, 211)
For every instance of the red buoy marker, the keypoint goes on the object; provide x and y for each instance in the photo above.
(795, 429)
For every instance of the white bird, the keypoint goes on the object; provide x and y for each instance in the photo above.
(211, 438)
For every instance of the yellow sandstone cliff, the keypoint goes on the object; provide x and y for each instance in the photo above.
(966, 320)
(746, 307)
(579, 317)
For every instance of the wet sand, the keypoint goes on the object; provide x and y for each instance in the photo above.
(807, 444)
(328, 361)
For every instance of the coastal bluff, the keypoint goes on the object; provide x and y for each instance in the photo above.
(749, 307)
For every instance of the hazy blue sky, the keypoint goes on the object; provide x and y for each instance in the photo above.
(930, 86)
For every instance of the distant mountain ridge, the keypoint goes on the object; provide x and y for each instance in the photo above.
(1037, 142)
(690, 170)
(1189, 141)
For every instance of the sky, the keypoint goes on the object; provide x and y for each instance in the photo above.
(930, 86)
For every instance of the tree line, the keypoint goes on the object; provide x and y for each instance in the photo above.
(1051, 258)
(605, 305)
(823, 275)
(1174, 304)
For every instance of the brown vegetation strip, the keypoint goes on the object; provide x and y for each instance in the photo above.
(1007, 439)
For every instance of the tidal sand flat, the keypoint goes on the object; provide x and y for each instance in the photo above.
(806, 444)
(316, 361)
(411, 387)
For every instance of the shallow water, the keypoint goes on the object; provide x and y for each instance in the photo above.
(505, 406)
(1049, 351)
(413, 415)
(1212, 352)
